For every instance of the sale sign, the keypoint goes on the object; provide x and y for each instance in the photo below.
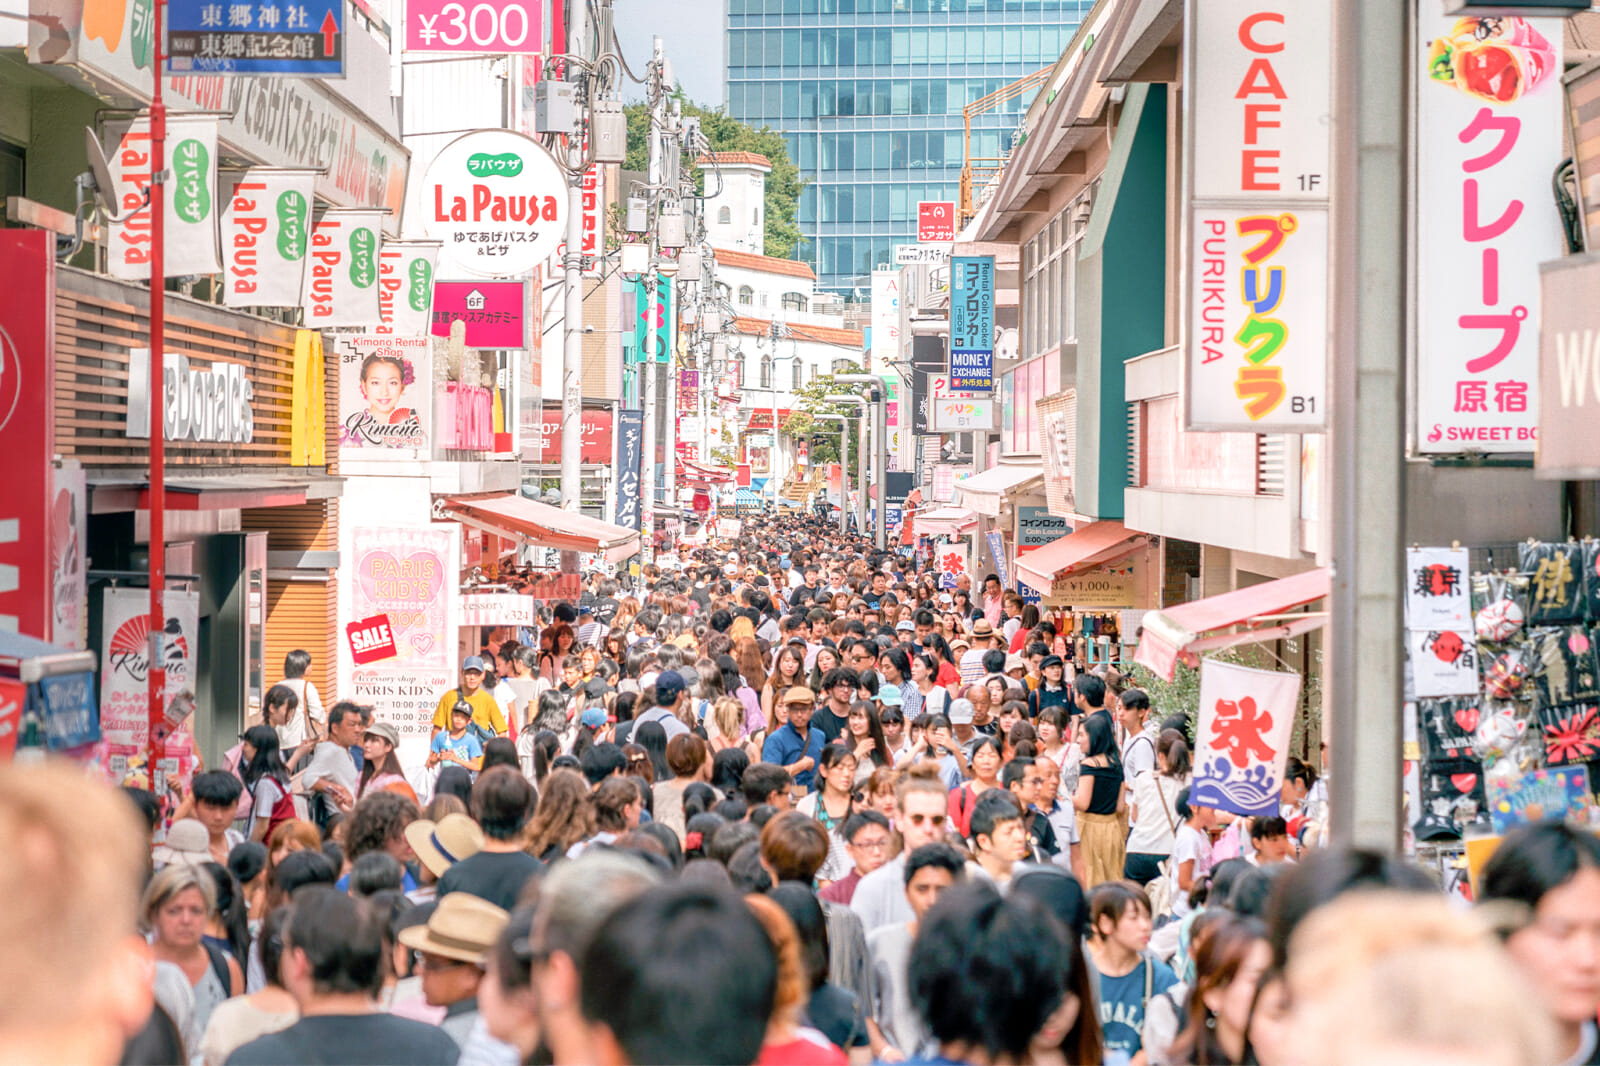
(936, 221)
(497, 26)
(370, 640)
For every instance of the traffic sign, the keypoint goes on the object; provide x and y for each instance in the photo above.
(936, 221)
(303, 38)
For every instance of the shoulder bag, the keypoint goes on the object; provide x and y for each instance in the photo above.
(1160, 889)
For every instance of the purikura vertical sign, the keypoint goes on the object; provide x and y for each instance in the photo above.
(125, 679)
(266, 233)
(189, 203)
(341, 279)
(407, 574)
(1257, 305)
(405, 287)
(1490, 112)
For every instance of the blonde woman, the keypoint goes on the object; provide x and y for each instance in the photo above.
(177, 904)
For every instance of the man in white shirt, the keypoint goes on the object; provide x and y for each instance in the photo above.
(294, 732)
(983, 639)
(1140, 729)
(332, 770)
(921, 815)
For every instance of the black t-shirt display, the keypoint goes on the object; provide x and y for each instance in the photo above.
(351, 1040)
(497, 876)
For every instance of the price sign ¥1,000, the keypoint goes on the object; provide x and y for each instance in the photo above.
(474, 26)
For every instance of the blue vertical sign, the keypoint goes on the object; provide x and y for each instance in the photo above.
(303, 38)
(972, 323)
(997, 550)
(630, 451)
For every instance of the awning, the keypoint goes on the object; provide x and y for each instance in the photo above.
(1097, 542)
(693, 473)
(29, 658)
(1191, 628)
(983, 492)
(215, 492)
(519, 518)
(945, 522)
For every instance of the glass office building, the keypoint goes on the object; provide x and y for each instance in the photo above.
(868, 95)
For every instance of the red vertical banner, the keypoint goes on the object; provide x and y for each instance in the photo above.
(27, 439)
(13, 697)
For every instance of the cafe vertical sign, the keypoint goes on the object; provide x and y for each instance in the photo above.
(1256, 342)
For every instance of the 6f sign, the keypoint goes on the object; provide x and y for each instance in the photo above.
(474, 26)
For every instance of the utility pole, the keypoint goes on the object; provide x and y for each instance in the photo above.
(156, 671)
(572, 268)
(880, 432)
(647, 474)
(1367, 438)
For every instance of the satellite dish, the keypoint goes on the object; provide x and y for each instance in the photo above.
(104, 187)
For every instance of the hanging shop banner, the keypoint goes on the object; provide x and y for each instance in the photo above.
(266, 232)
(498, 609)
(662, 305)
(341, 285)
(1258, 301)
(405, 287)
(951, 558)
(1242, 741)
(997, 553)
(1569, 370)
(385, 395)
(498, 26)
(972, 323)
(493, 312)
(124, 678)
(936, 221)
(190, 244)
(1489, 135)
(69, 517)
(1257, 307)
(594, 221)
(1444, 662)
(407, 573)
(498, 203)
(1437, 593)
(266, 37)
(885, 350)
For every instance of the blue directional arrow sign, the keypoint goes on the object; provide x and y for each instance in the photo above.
(297, 38)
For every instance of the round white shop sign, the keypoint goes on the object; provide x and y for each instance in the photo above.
(498, 203)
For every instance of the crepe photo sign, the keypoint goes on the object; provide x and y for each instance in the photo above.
(1242, 742)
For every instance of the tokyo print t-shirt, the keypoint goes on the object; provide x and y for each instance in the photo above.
(1122, 1005)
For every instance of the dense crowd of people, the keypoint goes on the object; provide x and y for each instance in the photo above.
(791, 802)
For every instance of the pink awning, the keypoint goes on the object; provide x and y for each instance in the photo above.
(945, 522)
(1097, 542)
(1188, 629)
(519, 518)
(693, 473)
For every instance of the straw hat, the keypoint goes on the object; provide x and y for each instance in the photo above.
(187, 844)
(463, 927)
(443, 843)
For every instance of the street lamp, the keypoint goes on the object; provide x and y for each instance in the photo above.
(881, 431)
(861, 459)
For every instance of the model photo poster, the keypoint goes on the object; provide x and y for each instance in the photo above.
(125, 678)
(385, 395)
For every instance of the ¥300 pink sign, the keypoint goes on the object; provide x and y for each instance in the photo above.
(474, 26)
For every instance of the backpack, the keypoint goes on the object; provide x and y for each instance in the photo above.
(219, 965)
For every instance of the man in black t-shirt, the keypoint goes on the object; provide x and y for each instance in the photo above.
(333, 966)
(502, 802)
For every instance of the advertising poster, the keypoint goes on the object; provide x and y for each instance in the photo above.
(125, 677)
(266, 233)
(1490, 114)
(409, 575)
(190, 236)
(341, 282)
(68, 570)
(385, 397)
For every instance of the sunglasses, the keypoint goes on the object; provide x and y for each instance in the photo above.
(935, 820)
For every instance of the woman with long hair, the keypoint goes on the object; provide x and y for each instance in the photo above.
(562, 818)
(555, 644)
(1232, 957)
(865, 738)
(787, 1040)
(380, 766)
(266, 779)
(1155, 792)
(546, 746)
(639, 764)
(1071, 1035)
(552, 713)
(240, 1020)
(734, 683)
(832, 806)
(1029, 619)
(788, 671)
(725, 724)
(827, 660)
(652, 737)
(1101, 801)
(947, 674)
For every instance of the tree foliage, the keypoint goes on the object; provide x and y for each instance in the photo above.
(810, 403)
(727, 134)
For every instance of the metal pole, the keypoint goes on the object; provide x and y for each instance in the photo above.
(865, 422)
(572, 314)
(647, 459)
(883, 465)
(844, 472)
(156, 671)
(773, 453)
(1363, 672)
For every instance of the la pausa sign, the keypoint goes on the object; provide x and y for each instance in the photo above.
(497, 202)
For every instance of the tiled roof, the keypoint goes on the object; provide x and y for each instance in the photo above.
(844, 338)
(764, 264)
(748, 158)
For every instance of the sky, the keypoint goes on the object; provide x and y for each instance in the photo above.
(691, 37)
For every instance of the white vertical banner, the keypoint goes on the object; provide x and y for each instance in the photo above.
(1490, 115)
(341, 284)
(190, 199)
(1242, 739)
(405, 287)
(124, 676)
(266, 232)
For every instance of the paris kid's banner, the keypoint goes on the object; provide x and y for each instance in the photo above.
(125, 677)
(405, 287)
(190, 203)
(385, 395)
(408, 574)
(266, 232)
(341, 282)
(1242, 743)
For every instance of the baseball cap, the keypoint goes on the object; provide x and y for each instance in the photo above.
(386, 730)
(890, 696)
(594, 716)
(585, 610)
(473, 662)
(946, 598)
(961, 712)
(905, 625)
(669, 686)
